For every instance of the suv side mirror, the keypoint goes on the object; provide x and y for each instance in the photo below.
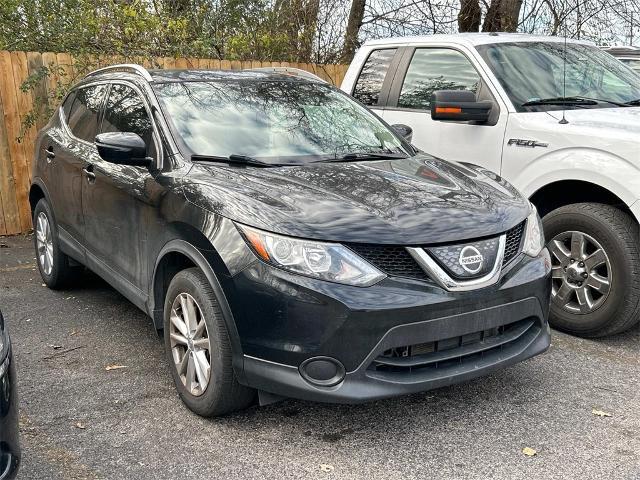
(405, 131)
(123, 148)
(458, 105)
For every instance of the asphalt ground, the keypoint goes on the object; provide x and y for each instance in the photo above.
(80, 421)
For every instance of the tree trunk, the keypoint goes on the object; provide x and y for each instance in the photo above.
(469, 16)
(351, 44)
(502, 16)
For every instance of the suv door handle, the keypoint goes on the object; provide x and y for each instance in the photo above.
(88, 171)
(50, 154)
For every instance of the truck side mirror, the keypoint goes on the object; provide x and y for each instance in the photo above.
(458, 106)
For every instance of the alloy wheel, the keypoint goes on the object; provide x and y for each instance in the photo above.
(190, 345)
(44, 243)
(581, 272)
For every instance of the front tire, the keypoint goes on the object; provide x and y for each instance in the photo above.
(55, 270)
(198, 348)
(595, 256)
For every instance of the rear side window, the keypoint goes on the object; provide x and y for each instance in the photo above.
(369, 83)
(83, 115)
(434, 69)
(125, 112)
(66, 106)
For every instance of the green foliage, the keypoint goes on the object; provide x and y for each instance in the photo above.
(233, 29)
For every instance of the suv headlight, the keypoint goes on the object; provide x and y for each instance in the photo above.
(534, 234)
(327, 261)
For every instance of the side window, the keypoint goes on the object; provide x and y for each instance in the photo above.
(66, 106)
(369, 83)
(125, 112)
(83, 115)
(434, 69)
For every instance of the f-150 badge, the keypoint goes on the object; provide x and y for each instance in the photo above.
(519, 142)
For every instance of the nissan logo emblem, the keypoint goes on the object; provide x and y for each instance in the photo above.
(471, 259)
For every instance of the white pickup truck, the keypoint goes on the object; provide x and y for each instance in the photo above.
(566, 133)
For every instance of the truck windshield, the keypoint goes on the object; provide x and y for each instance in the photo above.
(531, 72)
(274, 121)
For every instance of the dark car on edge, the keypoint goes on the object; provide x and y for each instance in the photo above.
(9, 447)
(285, 239)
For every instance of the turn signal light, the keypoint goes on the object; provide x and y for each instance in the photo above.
(448, 110)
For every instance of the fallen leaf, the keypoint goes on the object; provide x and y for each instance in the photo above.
(72, 333)
(81, 425)
(114, 367)
(529, 452)
(325, 467)
(600, 413)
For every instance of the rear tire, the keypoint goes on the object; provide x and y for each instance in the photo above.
(53, 264)
(196, 343)
(595, 253)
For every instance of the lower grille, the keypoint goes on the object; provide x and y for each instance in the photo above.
(452, 352)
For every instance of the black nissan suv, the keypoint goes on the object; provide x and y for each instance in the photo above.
(285, 239)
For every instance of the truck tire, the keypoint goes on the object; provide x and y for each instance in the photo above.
(595, 256)
(198, 348)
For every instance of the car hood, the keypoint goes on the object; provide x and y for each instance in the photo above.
(418, 200)
(614, 124)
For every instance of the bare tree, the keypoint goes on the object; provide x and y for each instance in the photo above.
(356, 16)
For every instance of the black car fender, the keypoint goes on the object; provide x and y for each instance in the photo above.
(198, 258)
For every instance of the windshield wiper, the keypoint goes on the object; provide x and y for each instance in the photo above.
(238, 159)
(356, 157)
(560, 101)
(633, 103)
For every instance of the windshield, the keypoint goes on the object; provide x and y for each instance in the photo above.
(276, 121)
(530, 71)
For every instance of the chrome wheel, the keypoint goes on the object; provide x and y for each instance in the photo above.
(44, 243)
(581, 272)
(190, 345)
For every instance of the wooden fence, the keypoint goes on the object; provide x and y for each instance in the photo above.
(20, 103)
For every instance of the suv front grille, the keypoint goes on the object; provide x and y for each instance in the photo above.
(513, 243)
(395, 261)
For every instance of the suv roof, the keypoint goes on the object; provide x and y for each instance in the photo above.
(624, 51)
(176, 75)
(473, 39)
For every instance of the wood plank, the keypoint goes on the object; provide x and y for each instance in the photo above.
(50, 61)
(182, 63)
(227, 65)
(39, 93)
(66, 70)
(10, 223)
(19, 174)
(25, 109)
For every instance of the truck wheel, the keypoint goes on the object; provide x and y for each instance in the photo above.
(198, 347)
(52, 262)
(595, 269)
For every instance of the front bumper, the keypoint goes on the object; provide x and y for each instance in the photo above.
(284, 320)
(9, 446)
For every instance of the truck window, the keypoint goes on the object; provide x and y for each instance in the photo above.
(434, 69)
(369, 83)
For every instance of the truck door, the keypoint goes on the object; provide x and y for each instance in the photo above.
(420, 72)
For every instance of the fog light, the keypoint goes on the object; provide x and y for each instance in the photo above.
(322, 371)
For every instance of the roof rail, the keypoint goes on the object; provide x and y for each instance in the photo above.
(296, 72)
(124, 67)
